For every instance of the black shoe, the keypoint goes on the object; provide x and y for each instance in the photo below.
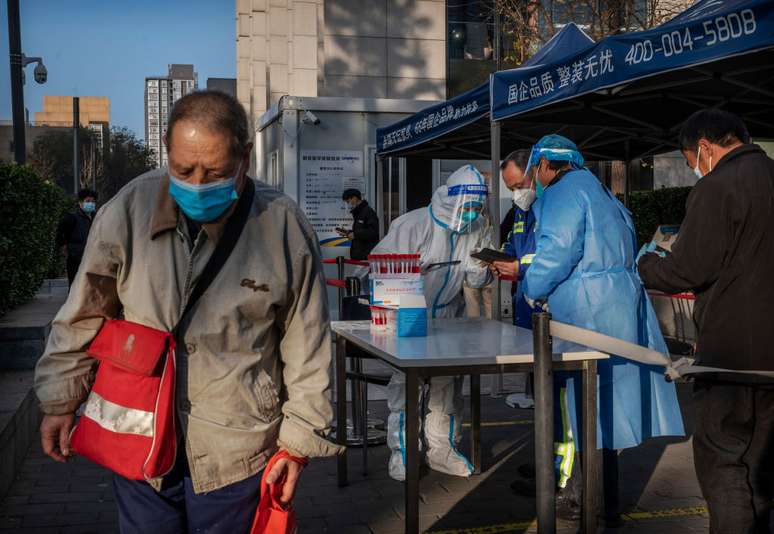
(567, 508)
(527, 471)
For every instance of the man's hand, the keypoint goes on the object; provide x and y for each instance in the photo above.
(292, 472)
(506, 268)
(55, 435)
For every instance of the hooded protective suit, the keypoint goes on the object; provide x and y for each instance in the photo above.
(584, 267)
(445, 231)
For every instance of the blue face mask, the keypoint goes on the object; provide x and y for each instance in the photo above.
(89, 207)
(469, 216)
(205, 202)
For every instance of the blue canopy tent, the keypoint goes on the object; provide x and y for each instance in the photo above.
(626, 96)
(459, 127)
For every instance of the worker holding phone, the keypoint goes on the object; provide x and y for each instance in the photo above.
(520, 243)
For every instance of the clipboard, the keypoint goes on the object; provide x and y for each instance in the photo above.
(489, 255)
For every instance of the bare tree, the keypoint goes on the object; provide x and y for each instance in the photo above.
(529, 24)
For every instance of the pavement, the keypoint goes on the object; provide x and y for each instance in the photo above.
(658, 489)
(24, 329)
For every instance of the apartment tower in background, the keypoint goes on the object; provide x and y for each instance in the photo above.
(161, 92)
(224, 85)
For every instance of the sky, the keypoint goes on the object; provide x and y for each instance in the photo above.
(108, 47)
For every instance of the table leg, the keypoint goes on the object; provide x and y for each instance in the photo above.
(412, 452)
(544, 424)
(475, 427)
(590, 463)
(341, 407)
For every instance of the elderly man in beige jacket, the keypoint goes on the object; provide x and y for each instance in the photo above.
(252, 362)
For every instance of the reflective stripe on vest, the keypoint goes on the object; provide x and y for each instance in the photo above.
(565, 450)
(527, 258)
(116, 418)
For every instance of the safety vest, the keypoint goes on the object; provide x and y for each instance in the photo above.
(128, 422)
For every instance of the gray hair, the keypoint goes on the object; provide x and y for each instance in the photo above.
(215, 111)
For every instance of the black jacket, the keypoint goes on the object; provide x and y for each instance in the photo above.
(366, 230)
(725, 254)
(73, 231)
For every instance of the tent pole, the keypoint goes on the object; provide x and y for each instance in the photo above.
(494, 210)
(379, 193)
(389, 189)
(627, 177)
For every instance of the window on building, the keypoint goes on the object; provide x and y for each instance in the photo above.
(470, 34)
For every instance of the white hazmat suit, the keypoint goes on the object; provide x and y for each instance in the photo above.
(446, 231)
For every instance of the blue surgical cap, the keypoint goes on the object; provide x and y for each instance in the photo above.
(555, 147)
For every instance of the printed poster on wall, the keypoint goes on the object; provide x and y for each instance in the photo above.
(325, 174)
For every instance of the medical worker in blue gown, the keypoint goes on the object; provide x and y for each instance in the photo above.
(584, 270)
(450, 229)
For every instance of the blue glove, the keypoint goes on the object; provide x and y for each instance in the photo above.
(650, 247)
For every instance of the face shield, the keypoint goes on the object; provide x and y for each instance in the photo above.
(468, 202)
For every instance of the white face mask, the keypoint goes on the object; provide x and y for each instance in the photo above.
(696, 169)
(523, 198)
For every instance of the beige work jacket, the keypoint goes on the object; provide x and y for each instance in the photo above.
(253, 362)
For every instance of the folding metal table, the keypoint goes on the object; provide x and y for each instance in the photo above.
(474, 347)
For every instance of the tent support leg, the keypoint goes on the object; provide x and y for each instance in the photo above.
(627, 177)
(494, 210)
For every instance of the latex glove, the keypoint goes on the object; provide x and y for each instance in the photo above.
(539, 305)
(648, 248)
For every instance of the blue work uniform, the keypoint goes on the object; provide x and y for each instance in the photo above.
(584, 267)
(521, 245)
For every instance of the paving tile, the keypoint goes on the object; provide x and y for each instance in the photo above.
(65, 497)
(60, 520)
(656, 476)
(31, 509)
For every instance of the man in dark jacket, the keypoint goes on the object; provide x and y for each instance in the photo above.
(73, 230)
(725, 255)
(365, 228)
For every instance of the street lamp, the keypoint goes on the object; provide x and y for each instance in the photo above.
(18, 62)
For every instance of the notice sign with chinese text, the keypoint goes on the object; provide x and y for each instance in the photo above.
(325, 175)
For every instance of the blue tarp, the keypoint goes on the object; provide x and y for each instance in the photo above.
(439, 119)
(708, 31)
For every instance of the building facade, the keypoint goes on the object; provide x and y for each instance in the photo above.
(224, 85)
(344, 48)
(93, 113)
(58, 110)
(160, 93)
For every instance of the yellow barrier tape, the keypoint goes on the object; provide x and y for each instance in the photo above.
(522, 525)
(492, 529)
(672, 512)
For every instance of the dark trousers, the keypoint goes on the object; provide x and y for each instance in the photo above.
(176, 509)
(733, 449)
